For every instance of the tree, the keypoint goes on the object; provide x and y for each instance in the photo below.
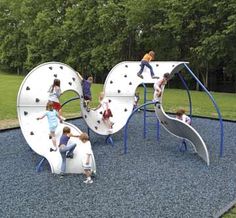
(13, 40)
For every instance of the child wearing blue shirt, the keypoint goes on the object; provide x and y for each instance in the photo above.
(53, 117)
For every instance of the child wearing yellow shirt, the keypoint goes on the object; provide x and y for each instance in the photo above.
(145, 62)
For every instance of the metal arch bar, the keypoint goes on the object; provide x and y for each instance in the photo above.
(72, 99)
(109, 140)
(145, 115)
(144, 111)
(127, 122)
(188, 92)
(216, 107)
(40, 165)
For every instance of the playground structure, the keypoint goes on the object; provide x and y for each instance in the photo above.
(119, 89)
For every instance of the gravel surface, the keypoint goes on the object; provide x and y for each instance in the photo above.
(154, 179)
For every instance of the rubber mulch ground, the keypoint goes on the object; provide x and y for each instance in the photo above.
(154, 179)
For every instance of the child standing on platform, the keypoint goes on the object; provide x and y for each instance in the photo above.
(53, 117)
(180, 114)
(65, 149)
(145, 62)
(54, 94)
(87, 160)
(159, 85)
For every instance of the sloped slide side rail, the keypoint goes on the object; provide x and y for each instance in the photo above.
(183, 130)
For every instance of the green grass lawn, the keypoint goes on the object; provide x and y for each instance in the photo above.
(173, 99)
(9, 86)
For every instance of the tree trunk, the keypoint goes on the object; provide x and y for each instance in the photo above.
(206, 85)
(197, 84)
(206, 78)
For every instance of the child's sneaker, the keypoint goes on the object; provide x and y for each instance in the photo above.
(70, 156)
(62, 175)
(85, 104)
(139, 75)
(155, 77)
(88, 181)
(51, 149)
(63, 118)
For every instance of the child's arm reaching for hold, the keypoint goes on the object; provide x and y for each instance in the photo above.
(59, 117)
(71, 135)
(39, 118)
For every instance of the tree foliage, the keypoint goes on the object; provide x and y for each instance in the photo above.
(94, 35)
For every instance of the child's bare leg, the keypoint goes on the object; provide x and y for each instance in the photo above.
(53, 135)
(87, 106)
(110, 123)
(60, 113)
(106, 121)
(88, 103)
(87, 173)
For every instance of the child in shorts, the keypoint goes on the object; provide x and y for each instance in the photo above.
(53, 117)
(107, 114)
(87, 160)
(54, 94)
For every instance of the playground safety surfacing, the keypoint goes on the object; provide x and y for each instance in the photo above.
(154, 179)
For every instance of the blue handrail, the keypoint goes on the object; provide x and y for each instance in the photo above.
(216, 107)
(144, 111)
(126, 125)
(72, 99)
